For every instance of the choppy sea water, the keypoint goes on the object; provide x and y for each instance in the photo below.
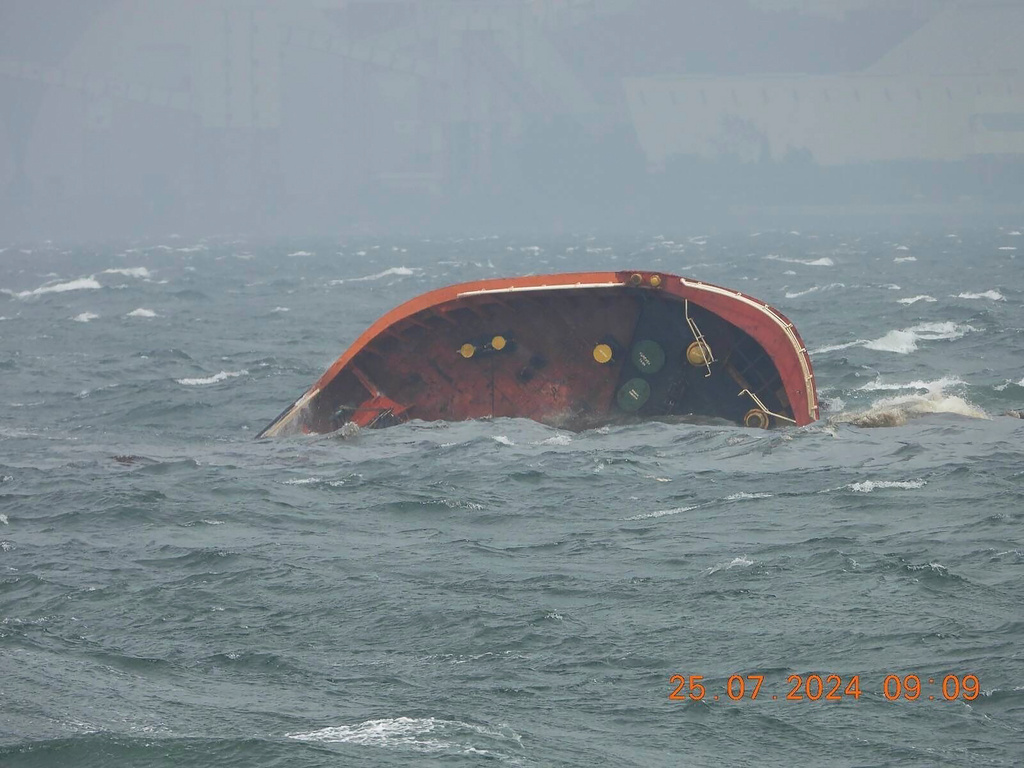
(174, 593)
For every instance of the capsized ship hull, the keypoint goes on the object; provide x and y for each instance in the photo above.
(573, 350)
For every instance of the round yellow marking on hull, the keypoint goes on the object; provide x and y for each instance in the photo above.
(696, 354)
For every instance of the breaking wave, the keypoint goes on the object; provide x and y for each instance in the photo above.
(904, 340)
(81, 284)
(737, 562)
(212, 379)
(140, 272)
(661, 513)
(397, 271)
(420, 734)
(993, 295)
(929, 386)
(897, 410)
(824, 261)
(915, 299)
(868, 486)
(141, 312)
(815, 289)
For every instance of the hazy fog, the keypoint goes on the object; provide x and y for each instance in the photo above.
(131, 117)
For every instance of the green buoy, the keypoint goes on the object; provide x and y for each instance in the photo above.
(633, 394)
(648, 356)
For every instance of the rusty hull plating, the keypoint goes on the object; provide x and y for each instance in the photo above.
(574, 351)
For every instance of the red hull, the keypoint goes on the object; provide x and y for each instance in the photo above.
(573, 350)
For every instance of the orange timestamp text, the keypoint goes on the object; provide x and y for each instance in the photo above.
(815, 687)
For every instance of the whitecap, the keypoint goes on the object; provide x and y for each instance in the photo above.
(280, 309)
(905, 340)
(897, 410)
(140, 272)
(300, 253)
(914, 299)
(420, 734)
(85, 317)
(737, 562)
(560, 439)
(660, 513)
(814, 289)
(3, 519)
(1007, 248)
(938, 568)
(902, 248)
(212, 379)
(303, 481)
(867, 486)
(929, 386)
(81, 284)
(397, 271)
(993, 295)
(141, 312)
(502, 439)
(837, 347)
(824, 261)
(743, 496)
(314, 481)
(900, 259)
